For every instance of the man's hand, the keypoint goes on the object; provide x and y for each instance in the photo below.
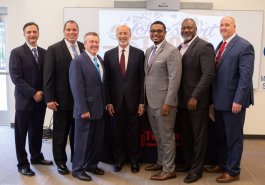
(192, 103)
(165, 110)
(85, 115)
(140, 109)
(236, 108)
(53, 105)
(110, 109)
(38, 96)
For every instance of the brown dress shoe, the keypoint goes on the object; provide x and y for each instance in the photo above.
(154, 167)
(226, 178)
(214, 169)
(163, 176)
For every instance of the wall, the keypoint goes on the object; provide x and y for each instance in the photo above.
(49, 15)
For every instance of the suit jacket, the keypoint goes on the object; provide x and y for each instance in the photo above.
(27, 75)
(198, 68)
(162, 77)
(56, 75)
(132, 87)
(233, 79)
(87, 88)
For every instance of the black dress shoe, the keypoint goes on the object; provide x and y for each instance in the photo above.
(42, 162)
(26, 171)
(192, 178)
(182, 168)
(82, 176)
(62, 169)
(96, 171)
(135, 167)
(117, 167)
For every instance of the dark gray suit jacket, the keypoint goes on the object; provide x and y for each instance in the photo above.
(198, 69)
(56, 75)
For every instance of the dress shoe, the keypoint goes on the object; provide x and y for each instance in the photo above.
(154, 167)
(192, 178)
(82, 176)
(226, 178)
(42, 162)
(214, 169)
(117, 167)
(135, 168)
(62, 169)
(182, 168)
(163, 176)
(26, 171)
(96, 171)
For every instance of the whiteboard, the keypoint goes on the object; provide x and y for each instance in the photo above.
(105, 20)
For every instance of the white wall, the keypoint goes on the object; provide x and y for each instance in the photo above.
(49, 15)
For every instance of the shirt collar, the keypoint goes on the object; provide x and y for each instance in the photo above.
(126, 49)
(68, 44)
(189, 43)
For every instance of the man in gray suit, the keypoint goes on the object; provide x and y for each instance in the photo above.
(162, 80)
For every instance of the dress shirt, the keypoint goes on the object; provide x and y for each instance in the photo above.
(126, 54)
(69, 46)
(184, 47)
(99, 64)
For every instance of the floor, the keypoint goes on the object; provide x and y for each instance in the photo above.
(253, 168)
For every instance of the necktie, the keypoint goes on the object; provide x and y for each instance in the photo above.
(152, 56)
(122, 64)
(35, 53)
(74, 50)
(96, 65)
(220, 52)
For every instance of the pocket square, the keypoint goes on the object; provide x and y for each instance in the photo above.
(159, 61)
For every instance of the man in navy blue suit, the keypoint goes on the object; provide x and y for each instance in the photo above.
(26, 70)
(125, 79)
(232, 94)
(86, 76)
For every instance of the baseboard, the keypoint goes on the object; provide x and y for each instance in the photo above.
(251, 136)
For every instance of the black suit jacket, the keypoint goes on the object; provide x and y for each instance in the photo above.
(27, 75)
(131, 88)
(56, 75)
(198, 69)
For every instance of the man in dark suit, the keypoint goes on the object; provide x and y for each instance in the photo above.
(86, 77)
(125, 77)
(26, 70)
(162, 79)
(194, 98)
(232, 94)
(58, 94)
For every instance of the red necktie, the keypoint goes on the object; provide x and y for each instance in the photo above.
(122, 64)
(220, 52)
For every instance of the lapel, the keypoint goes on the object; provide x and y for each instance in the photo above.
(130, 60)
(91, 65)
(228, 48)
(156, 54)
(191, 46)
(31, 56)
(66, 52)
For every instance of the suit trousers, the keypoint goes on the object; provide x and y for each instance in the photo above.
(31, 123)
(194, 126)
(126, 132)
(163, 129)
(89, 136)
(230, 139)
(63, 125)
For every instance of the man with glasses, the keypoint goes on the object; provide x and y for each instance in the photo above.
(162, 79)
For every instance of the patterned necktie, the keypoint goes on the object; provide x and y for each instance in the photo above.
(35, 53)
(96, 65)
(122, 64)
(152, 56)
(220, 52)
(74, 50)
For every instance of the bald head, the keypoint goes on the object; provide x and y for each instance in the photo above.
(227, 27)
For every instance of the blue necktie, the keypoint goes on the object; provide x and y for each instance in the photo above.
(74, 50)
(152, 56)
(96, 65)
(35, 53)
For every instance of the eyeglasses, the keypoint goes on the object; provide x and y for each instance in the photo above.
(156, 31)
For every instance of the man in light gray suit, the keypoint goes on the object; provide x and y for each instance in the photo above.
(162, 80)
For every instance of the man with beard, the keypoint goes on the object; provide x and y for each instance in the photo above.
(194, 98)
(125, 78)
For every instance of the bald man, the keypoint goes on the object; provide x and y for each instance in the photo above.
(125, 98)
(232, 94)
